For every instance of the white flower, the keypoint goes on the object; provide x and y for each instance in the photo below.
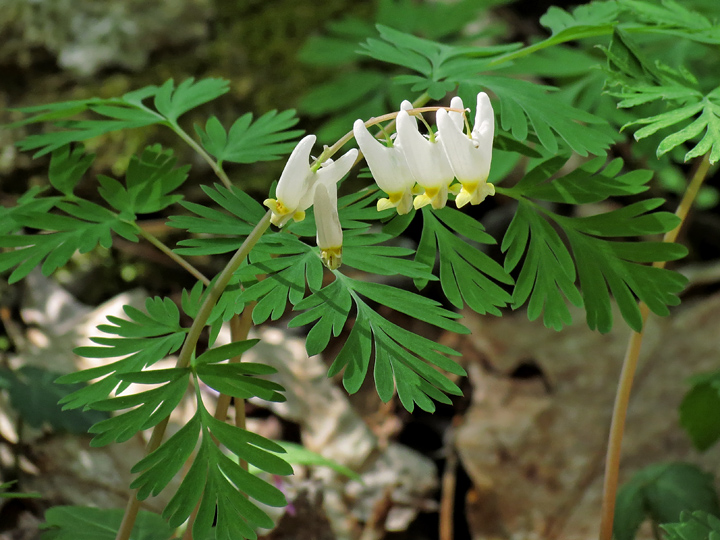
(389, 169)
(426, 160)
(469, 155)
(329, 231)
(296, 187)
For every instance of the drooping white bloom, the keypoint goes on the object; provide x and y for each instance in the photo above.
(426, 160)
(329, 231)
(296, 187)
(469, 155)
(389, 169)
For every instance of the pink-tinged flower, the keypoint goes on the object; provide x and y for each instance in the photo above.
(296, 187)
(389, 169)
(426, 160)
(469, 155)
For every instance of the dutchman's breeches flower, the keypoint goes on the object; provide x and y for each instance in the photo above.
(296, 188)
(469, 155)
(301, 186)
(389, 169)
(426, 161)
(329, 231)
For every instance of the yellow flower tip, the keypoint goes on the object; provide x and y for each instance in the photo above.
(421, 200)
(271, 204)
(474, 193)
(455, 188)
(417, 190)
(331, 257)
(401, 201)
(299, 215)
(462, 198)
(280, 213)
(384, 204)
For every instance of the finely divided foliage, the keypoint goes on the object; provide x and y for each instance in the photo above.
(548, 258)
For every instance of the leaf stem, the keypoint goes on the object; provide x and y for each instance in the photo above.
(627, 374)
(215, 166)
(211, 298)
(155, 241)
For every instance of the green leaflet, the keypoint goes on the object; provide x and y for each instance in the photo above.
(603, 266)
(107, 115)
(85, 226)
(697, 410)
(285, 279)
(467, 275)
(342, 92)
(68, 167)
(402, 359)
(238, 380)
(266, 139)
(696, 525)
(142, 340)
(672, 18)
(148, 183)
(663, 492)
(34, 396)
(547, 275)
(245, 212)
(148, 408)
(28, 204)
(213, 479)
(173, 102)
(582, 19)
(641, 82)
(36, 495)
(84, 523)
(525, 105)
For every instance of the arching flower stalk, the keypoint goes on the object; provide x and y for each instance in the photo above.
(414, 164)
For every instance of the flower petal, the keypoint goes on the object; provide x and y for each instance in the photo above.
(387, 164)
(333, 172)
(456, 117)
(329, 230)
(426, 160)
(294, 179)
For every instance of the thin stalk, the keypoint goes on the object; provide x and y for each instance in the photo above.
(417, 108)
(239, 330)
(591, 31)
(155, 241)
(188, 348)
(627, 374)
(216, 167)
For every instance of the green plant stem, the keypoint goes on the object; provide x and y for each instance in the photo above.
(627, 374)
(216, 167)
(211, 298)
(155, 241)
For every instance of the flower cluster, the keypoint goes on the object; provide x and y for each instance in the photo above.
(431, 163)
(411, 165)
